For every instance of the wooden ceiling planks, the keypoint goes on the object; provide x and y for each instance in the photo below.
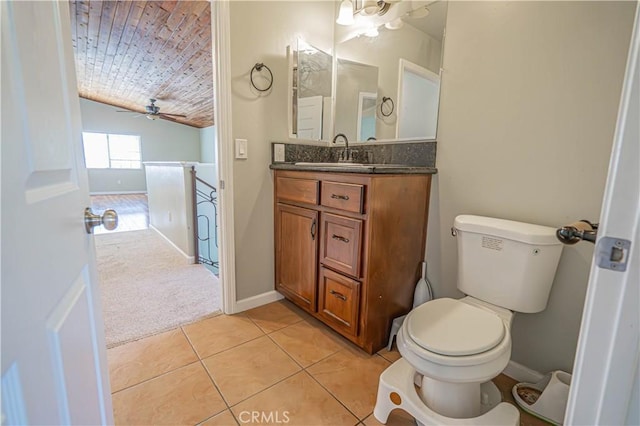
(130, 51)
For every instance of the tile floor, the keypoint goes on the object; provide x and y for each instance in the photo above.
(273, 364)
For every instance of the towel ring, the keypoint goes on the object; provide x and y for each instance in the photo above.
(386, 101)
(258, 67)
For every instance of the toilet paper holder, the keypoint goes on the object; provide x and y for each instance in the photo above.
(583, 230)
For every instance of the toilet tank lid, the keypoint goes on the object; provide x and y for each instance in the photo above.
(509, 229)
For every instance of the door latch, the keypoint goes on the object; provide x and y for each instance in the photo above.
(613, 253)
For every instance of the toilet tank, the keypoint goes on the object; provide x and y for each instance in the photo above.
(506, 263)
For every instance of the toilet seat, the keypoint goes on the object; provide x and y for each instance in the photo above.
(452, 328)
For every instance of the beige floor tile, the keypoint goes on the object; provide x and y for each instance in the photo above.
(223, 419)
(352, 377)
(183, 396)
(249, 368)
(274, 316)
(307, 343)
(214, 335)
(298, 399)
(144, 359)
(397, 417)
(392, 356)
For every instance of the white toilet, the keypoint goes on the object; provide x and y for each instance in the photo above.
(451, 349)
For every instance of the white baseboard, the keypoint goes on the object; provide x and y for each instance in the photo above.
(189, 259)
(116, 192)
(521, 373)
(259, 300)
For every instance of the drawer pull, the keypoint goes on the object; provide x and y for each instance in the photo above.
(340, 197)
(339, 238)
(338, 295)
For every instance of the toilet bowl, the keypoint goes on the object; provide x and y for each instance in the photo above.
(451, 349)
(456, 346)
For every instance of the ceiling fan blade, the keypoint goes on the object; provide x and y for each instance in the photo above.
(174, 115)
(126, 110)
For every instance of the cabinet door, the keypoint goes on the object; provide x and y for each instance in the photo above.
(339, 301)
(297, 254)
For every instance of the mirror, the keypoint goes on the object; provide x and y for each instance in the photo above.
(357, 85)
(405, 47)
(311, 82)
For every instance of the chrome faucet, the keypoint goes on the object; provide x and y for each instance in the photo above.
(346, 155)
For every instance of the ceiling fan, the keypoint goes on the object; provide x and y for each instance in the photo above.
(153, 112)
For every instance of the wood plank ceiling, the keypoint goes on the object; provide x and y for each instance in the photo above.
(130, 51)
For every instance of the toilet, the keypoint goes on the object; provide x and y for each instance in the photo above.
(452, 348)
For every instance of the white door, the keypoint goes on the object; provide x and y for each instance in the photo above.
(53, 350)
(604, 389)
(310, 118)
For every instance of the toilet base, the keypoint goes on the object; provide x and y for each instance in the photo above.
(396, 389)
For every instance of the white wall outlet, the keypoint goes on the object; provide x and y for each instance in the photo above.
(278, 152)
(241, 149)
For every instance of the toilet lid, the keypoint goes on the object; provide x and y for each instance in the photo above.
(449, 327)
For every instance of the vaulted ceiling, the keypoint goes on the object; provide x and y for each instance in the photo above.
(130, 51)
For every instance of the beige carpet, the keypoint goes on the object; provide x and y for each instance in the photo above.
(148, 287)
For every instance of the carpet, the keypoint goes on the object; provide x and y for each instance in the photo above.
(148, 287)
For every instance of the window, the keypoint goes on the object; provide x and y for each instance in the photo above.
(105, 151)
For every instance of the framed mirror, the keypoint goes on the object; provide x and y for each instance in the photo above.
(405, 45)
(310, 77)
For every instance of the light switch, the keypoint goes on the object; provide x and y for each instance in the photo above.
(241, 149)
(278, 152)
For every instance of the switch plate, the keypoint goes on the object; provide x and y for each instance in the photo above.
(278, 152)
(241, 149)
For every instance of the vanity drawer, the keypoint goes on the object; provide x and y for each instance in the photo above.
(339, 302)
(297, 190)
(341, 243)
(343, 196)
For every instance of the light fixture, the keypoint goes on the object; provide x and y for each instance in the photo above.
(345, 16)
(151, 117)
(396, 24)
(369, 7)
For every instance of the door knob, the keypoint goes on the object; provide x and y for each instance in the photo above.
(109, 219)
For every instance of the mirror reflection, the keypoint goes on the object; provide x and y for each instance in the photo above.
(357, 85)
(311, 96)
(405, 47)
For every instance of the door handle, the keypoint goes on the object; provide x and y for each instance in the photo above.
(109, 220)
(313, 230)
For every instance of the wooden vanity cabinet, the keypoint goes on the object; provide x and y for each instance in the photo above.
(349, 246)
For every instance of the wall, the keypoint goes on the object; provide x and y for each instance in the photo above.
(208, 145)
(170, 200)
(160, 140)
(260, 32)
(529, 101)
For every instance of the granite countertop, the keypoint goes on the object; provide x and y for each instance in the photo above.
(355, 168)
